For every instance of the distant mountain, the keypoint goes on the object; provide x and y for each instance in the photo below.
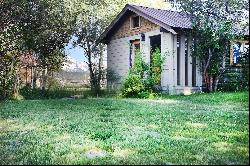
(73, 65)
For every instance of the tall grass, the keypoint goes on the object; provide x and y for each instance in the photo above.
(61, 92)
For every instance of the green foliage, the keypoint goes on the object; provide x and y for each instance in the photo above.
(143, 78)
(132, 86)
(139, 67)
(53, 83)
(8, 64)
(236, 78)
(147, 94)
(101, 135)
(200, 129)
(232, 80)
(156, 68)
(38, 28)
(43, 28)
(53, 93)
(133, 83)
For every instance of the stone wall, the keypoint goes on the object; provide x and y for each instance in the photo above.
(125, 29)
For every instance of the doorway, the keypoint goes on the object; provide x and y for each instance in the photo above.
(155, 43)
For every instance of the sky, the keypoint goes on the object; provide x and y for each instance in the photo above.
(76, 53)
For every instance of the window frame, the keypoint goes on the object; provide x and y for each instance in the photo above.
(132, 22)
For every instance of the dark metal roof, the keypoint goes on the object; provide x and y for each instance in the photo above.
(168, 17)
(164, 18)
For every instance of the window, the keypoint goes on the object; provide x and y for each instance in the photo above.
(237, 50)
(135, 21)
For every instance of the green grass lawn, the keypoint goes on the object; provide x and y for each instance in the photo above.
(196, 129)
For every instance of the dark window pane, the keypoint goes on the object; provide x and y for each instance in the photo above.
(135, 21)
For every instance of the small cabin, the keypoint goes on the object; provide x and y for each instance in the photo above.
(144, 28)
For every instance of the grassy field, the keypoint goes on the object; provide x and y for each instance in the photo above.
(196, 129)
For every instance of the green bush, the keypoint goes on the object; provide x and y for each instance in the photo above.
(156, 67)
(236, 78)
(147, 94)
(144, 79)
(53, 83)
(132, 86)
(245, 69)
(28, 93)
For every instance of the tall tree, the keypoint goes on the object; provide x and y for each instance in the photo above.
(88, 27)
(10, 44)
(41, 28)
(51, 25)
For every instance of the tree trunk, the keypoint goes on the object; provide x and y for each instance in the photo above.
(210, 83)
(207, 78)
(90, 65)
(216, 81)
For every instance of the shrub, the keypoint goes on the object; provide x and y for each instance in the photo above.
(144, 79)
(132, 86)
(236, 78)
(147, 94)
(156, 67)
(28, 93)
(53, 83)
(245, 69)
